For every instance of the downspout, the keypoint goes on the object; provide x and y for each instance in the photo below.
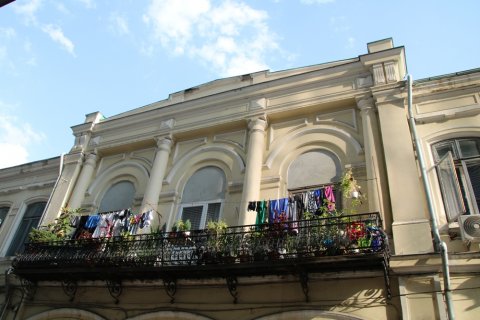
(440, 246)
(60, 170)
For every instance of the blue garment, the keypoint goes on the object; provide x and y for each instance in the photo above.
(92, 221)
(277, 208)
(272, 211)
(318, 197)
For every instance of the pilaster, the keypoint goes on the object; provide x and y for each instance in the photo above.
(83, 181)
(410, 227)
(253, 170)
(157, 174)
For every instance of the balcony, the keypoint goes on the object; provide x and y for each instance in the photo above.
(353, 242)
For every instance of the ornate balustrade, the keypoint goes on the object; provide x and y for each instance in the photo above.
(314, 243)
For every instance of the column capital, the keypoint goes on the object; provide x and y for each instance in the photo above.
(91, 159)
(73, 158)
(164, 142)
(257, 124)
(365, 104)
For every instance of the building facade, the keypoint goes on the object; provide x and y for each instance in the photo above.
(219, 151)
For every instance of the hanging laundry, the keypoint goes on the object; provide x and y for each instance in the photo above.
(261, 208)
(79, 226)
(92, 221)
(311, 202)
(146, 219)
(278, 209)
(104, 226)
(330, 196)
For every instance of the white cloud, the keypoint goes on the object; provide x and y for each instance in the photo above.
(316, 1)
(5, 61)
(15, 139)
(174, 20)
(61, 8)
(7, 33)
(119, 24)
(56, 33)
(89, 4)
(231, 37)
(28, 10)
(350, 42)
(339, 24)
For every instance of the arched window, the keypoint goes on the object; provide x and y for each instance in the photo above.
(3, 214)
(458, 170)
(119, 196)
(313, 168)
(203, 197)
(30, 220)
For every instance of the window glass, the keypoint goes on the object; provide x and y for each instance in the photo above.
(442, 149)
(30, 220)
(119, 196)
(206, 184)
(463, 168)
(469, 148)
(474, 176)
(203, 197)
(452, 195)
(3, 214)
(194, 214)
(213, 211)
(313, 168)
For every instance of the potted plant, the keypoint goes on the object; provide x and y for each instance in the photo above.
(350, 187)
(60, 229)
(216, 238)
(351, 191)
(182, 228)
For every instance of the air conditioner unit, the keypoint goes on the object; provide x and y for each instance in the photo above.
(470, 227)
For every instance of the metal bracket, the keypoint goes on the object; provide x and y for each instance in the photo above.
(303, 277)
(29, 288)
(70, 288)
(386, 274)
(232, 283)
(171, 288)
(115, 289)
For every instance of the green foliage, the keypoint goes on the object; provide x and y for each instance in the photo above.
(60, 229)
(181, 225)
(349, 184)
(216, 226)
(351, 192)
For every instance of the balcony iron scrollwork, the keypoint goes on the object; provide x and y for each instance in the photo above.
(303, 277)
(386, 274)
(232, 283)
(170, 286)
(29, 288)
(115, 289)
(70, 288)
(315, 245)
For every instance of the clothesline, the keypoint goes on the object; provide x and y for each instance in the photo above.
(293, 207)
(111, 223)
(108, 212)
(312, 187)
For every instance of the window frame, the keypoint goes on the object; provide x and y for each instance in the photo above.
(461, 174)
(205, 205)
(30, 224)
(2, 221)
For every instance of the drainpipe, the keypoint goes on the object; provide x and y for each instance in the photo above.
(440, 246)
(60, 170)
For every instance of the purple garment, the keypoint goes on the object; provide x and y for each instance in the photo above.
(330, 196)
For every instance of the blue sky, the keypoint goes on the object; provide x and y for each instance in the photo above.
(60, 60)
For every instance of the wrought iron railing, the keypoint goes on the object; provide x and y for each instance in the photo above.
(350, 235)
